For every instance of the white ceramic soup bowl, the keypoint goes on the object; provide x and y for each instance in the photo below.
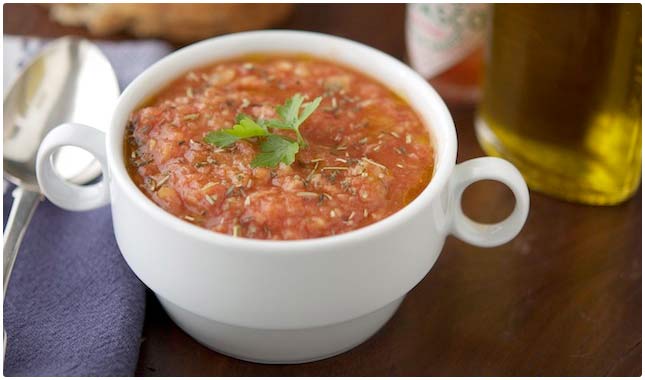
(283, 301)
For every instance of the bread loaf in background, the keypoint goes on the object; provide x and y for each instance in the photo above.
(179, 23)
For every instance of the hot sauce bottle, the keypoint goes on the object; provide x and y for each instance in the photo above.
(445, 43)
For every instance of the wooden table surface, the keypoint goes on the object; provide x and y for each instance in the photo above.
(563, 298)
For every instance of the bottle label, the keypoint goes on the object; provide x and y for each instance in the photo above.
(440, 35)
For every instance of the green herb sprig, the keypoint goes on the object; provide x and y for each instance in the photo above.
(274, 148)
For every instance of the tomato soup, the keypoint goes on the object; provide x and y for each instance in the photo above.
(367, 152)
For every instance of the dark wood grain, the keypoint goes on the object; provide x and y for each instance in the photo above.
(563, 298)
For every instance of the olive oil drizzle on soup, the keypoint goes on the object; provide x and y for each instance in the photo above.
(368, 153)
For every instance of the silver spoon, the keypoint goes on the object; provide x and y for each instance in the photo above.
(69, 81)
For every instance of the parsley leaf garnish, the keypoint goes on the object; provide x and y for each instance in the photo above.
(244, 129)
(274, 148)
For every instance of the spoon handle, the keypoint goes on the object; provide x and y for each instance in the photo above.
(23, 207)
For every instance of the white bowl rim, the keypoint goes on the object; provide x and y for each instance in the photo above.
(444, 158)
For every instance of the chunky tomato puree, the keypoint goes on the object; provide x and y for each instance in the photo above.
(368, 153)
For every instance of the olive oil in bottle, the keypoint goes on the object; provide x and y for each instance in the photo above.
(562, 97)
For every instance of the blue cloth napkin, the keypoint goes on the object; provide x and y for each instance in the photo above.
(73, 307)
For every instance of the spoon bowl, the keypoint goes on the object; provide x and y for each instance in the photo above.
(69, 81)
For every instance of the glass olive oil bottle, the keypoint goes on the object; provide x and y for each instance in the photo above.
(562, 97)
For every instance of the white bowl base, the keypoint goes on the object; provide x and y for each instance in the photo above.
(290, 346)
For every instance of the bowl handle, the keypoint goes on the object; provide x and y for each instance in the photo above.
(488, 168)
(61, 192)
